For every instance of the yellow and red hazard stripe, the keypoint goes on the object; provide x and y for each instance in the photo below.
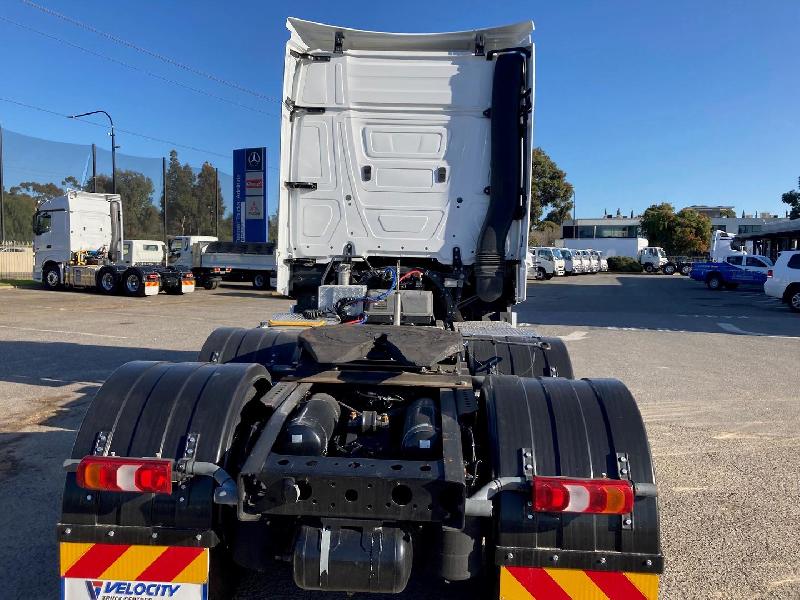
(533, 583)
(178, 564)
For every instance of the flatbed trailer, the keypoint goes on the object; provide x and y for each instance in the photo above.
(213, 262)
(396, 423)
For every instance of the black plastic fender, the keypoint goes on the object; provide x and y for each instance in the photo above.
(151, 409)
(522, 356)
(589, 428)
(276, 349)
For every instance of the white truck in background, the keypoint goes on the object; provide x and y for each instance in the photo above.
(213, 261)
(545, 263)
(654, 260)
(79, 243)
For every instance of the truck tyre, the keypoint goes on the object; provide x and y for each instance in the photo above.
(261, 281)
(669, 269)
(540, 273)
(649, 268)
(148, 409)
(793, 298)
(686, 269)
(51, 277)
(715, 282)
(548, 276)
(133, 283)
(522, 356)
(210, 284)
(277, 350)
(107, 281)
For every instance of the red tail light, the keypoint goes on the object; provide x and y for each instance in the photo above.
(572, 495)
(769, 273)
(153, 276)
(115, 474)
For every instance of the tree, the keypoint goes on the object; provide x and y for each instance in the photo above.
(205, 195)
(687, 232)
(691, 233)
(141, 219)
(728, 212)
(545, 234)
(657, 224)
(37, 191)
(180, 197)
(792, 198)
(549, 188)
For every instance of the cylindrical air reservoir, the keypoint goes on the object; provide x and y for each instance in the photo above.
(420, 433)
(310, 427)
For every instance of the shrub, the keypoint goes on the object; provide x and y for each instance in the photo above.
(624, 264)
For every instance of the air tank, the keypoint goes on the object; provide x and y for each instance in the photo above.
(311, 426)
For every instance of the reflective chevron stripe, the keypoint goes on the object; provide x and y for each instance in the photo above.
(533, 583)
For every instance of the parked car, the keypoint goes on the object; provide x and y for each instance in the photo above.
(735, 270)
(783, 279)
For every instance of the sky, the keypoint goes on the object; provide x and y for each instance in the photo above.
(639, 102)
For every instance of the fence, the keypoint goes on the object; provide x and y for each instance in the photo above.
(33, 169)
(16, 260)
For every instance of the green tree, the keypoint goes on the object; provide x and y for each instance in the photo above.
(691, 233)
(545, 234)
(272, 228)
(72, 183)
(37, 191)
(205, 191)
(792, 198)
(728, 212)
(18, 214)
(141, 218)
(549, 188)
(180, 198)
(658, 223)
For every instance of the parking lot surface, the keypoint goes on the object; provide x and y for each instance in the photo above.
(715, 374)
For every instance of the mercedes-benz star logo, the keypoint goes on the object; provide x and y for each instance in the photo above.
(254, 160)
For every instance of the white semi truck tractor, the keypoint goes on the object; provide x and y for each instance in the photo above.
(395, 427)
(79, 244)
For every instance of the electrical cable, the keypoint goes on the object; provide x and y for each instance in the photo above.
(135, 68)
(105, 126)
(150, 53)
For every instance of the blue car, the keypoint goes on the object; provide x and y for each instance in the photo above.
(749, 270)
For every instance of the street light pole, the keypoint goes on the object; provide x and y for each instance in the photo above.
(113, 146)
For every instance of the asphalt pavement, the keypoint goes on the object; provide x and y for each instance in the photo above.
(715, 374)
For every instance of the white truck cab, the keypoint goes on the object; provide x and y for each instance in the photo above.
(653, 259)
(144, 252)
(572, 263)
(545, 263)
(182, 248)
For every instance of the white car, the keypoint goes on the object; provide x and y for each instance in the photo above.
(783, 279)
(603, 261)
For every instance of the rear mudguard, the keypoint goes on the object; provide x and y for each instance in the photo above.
(588, 428)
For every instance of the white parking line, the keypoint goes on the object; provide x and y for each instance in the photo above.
(731, 328)
(100, 335)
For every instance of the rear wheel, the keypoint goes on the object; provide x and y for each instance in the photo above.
(210, 284)
(133, 284)
(260, 281)
(714, 282)
(686, 269)
(51, 278)
(793, 299)
(669, 269)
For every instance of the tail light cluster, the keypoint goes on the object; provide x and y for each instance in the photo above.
(573, 495)
(769, 273)
(115, 474)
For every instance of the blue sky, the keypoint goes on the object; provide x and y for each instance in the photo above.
(686, 102)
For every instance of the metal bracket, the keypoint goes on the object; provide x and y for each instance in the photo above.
(300, 185)
(338, 40)
(189, 454)
(102, 443)
(311, 57)
(624, 472)
(488, 113)
(480, 45)
(294, 109)
(526, 457)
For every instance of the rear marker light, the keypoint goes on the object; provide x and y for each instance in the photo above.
(572, 495)
(114, 474)
(769, 273)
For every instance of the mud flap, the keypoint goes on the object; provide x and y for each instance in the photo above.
(588, 428)
(112, 571)
(151, 288)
